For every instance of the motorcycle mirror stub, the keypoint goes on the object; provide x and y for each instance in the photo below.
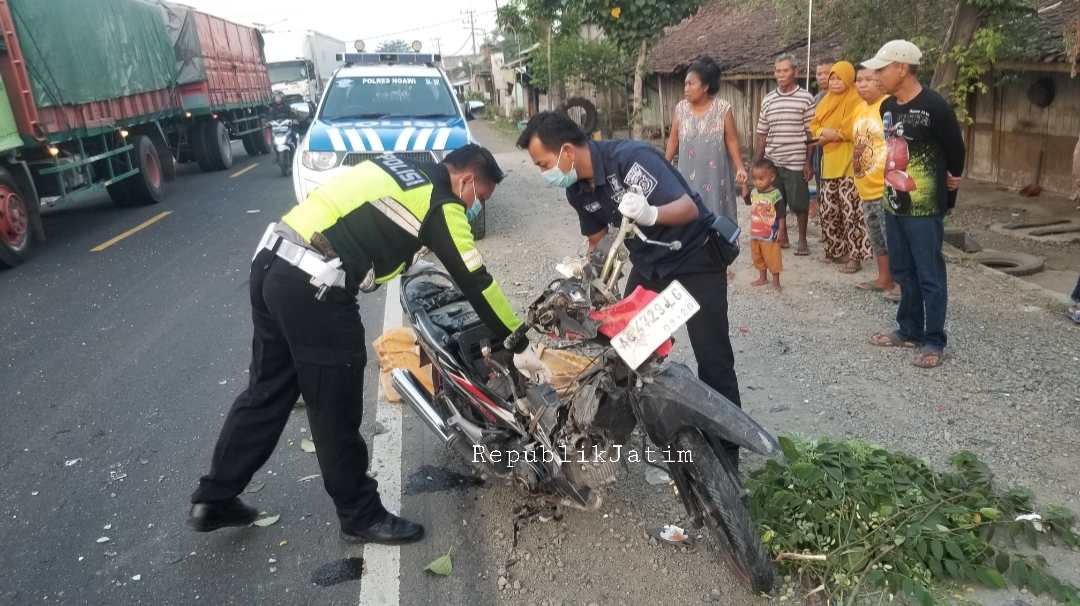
(301, 110)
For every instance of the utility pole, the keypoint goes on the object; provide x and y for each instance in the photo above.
(438, 43)
(472, 37)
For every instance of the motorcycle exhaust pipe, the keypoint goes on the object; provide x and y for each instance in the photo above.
(414, 393)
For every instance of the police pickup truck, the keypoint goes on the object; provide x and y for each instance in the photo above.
(378, 103)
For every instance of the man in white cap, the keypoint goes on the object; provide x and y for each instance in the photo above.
(925, 149)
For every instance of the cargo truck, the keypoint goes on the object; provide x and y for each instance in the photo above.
(301, 63)
(110, 95)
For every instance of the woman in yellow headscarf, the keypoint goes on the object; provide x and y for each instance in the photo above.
(843, 237)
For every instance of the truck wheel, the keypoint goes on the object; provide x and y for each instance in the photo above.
(249, 143)
(218, 144)
(479, 224)
(264, 139)
(15, 234)
(148, 186)
(199, 147)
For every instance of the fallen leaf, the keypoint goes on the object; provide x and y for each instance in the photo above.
(307, 445)
(267, 521)
(441, 566)
(104, 540)
(282, 544)
(256, 488)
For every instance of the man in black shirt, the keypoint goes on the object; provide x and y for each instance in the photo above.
(597, 176)
(925, 156)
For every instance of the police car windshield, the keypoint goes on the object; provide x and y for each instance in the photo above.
(388, 97)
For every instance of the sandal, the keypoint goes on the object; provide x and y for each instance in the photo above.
(802, 251)
(833, 260)
(891, 339)
(892, 295)
(928, 358)
(851, 269)
(869, 287)
(1073, 313)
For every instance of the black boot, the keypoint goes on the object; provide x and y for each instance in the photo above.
(205, 517)
(391, 530)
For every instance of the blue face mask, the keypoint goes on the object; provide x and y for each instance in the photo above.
(557, 178)
(474, 210)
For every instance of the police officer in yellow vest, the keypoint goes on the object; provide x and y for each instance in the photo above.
(359, 230)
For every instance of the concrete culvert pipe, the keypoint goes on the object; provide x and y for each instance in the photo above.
(1014, 264)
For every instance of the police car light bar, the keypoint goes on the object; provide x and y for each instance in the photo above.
(420, 58)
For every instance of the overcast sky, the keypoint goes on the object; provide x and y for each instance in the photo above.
(370, 20)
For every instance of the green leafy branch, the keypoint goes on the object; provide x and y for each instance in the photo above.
(888, 522)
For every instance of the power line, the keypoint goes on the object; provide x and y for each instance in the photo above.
(417, 29)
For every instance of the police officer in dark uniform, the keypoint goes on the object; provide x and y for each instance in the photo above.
(352, 234)
(598, 176)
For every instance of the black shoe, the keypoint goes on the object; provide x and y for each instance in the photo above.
(205, 517)
(392, 530)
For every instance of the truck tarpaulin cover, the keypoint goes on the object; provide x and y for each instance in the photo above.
(192, 50)
(78, 51)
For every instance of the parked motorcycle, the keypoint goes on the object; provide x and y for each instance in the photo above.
(563, 447)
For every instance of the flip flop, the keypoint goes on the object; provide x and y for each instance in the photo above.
(869, 287)
(833, 260)
(922, 359)
(891, 339)
(892, 295)
(802, 252)
(850, 269)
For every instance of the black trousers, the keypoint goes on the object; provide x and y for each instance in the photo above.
(301, 345)
(705, 278)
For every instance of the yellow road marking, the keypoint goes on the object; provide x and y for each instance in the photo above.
(238, 173)
(127, 233)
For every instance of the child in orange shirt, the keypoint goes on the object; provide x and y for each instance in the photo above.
(767, 209)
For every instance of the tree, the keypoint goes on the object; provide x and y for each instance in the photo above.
(393, 46)
(596, 63)
(959, 38)
(631, 25)
(547, 21)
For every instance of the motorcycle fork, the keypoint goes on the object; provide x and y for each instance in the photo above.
(685, 493)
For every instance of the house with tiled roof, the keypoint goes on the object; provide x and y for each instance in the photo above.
(1023, 129)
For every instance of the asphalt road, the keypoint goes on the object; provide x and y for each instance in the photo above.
(115, 371)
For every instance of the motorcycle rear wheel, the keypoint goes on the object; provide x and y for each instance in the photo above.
(720, 497)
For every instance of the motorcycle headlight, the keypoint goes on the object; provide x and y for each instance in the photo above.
(319, 160)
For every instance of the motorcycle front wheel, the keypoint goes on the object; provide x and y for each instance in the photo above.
(720, 498)
(285, 160)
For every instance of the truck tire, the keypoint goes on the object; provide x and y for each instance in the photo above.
(15, 235)
(249, 143)
(147, 187)
(197, 136)
(218, 144)
(479, 224)
(264, 139)
(586, 116)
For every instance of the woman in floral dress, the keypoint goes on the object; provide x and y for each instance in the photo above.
(703, 134)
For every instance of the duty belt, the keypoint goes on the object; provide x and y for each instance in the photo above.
(325, 274)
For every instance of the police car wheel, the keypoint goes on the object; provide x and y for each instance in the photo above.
(479, 224)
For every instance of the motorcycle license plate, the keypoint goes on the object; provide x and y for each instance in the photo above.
(654, 324)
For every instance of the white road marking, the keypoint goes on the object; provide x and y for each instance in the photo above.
(382, 583)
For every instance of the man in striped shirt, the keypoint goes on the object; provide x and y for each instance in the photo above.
(782, 137)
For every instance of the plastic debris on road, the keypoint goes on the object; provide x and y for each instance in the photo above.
(672, 535)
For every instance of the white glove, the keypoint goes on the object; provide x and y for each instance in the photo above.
(418, 268)
(532, 366)
(635, 206)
